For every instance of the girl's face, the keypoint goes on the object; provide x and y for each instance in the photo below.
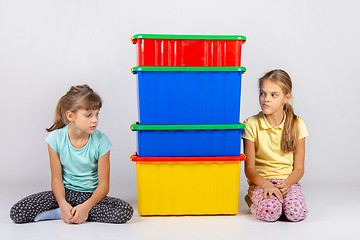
(85, 120)
(272, 98)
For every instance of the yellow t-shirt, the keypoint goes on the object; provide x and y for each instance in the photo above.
(270, 160)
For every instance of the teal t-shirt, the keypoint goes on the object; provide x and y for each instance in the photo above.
(79, 166)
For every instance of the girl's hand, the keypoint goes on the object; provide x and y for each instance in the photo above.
(80, 213)
(270, 190)
(66, 212)
(283, 187)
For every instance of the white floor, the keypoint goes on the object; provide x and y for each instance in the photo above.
(334, 213)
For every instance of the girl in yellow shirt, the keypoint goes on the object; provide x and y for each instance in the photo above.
(274, 144)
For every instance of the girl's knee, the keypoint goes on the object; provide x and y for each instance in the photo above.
(295, 217)
(111, 210)
(125, 213)
(18, 214)
(295, 211)
(27, 208)
(268, 210)
(270, 215)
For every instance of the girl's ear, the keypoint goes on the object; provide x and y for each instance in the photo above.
(69, 115)
(288, 97)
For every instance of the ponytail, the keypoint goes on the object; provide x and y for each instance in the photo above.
(60, 120)
(290, 132)
(78, 97)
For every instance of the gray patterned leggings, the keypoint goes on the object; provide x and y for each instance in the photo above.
(108, 210)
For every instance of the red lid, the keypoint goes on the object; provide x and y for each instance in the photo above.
(136, 158)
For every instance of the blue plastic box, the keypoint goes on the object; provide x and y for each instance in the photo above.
(188, 140)
(189, 95)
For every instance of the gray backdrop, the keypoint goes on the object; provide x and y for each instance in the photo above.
(47, 46)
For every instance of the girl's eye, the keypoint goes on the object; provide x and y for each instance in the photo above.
(274, 95)
(262, 94)
(88, 115)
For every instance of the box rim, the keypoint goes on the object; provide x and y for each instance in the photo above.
(139, 127)
(136, 69)
(136, 158)
(187, 37)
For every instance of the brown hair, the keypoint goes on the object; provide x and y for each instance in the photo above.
(290, 132)
(77, 98)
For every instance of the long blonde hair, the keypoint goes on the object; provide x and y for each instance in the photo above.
(78, 97)
(290, 131)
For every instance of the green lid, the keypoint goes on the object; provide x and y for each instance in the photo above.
(137, 127)
(197, 37)
(188, 69)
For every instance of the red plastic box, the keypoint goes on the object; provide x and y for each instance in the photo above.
(189, 50)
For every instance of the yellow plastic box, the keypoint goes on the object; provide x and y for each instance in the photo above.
(188, 185)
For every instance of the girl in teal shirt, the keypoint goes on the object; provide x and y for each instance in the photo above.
(80, 168)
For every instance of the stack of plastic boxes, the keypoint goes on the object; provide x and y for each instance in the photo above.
(189, 90)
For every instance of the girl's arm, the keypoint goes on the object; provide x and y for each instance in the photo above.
(298, 170)
(254, 176)
(57, 185)
(81, 211)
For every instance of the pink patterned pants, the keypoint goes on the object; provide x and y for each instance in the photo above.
(270, 209)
